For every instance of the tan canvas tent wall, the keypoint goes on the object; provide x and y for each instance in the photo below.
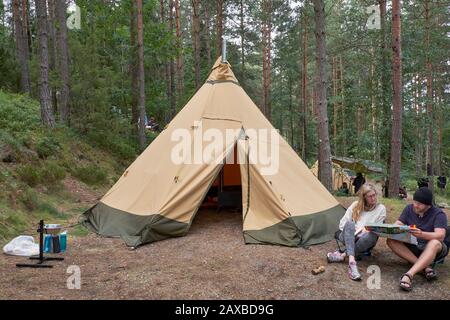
(156, 199)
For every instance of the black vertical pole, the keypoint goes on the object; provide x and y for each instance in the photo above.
(41, 241)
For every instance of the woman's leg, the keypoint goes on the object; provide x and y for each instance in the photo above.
(365, 242)
(348, 236)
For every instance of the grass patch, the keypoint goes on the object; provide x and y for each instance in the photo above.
(79, 231)
(48, 210)
(47, 146)
(12, 223)
(91, 174)
(48, 173)
(29, 199)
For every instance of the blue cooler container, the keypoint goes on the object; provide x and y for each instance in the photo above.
(48, 243)
(63, 241)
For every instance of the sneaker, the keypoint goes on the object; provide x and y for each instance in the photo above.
(353, 272)
(335, 257)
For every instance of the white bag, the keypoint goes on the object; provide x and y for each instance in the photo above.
(22, 246)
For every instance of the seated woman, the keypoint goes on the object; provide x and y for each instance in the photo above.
(353, 234)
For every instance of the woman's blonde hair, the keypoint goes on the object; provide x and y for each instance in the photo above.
(362, 203)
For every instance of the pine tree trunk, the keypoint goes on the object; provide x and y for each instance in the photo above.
(180, 60)
(267, 44)
(26, 26)
(51, 9)
(321, 91)
(172, 97)
(196, 29)
(242, 31)
(141, 76)
(291, 113)
(162, 13)
(441, 117)
(47, 115)
(359, 112)
(219, 26)
(205, 4)
(385, 105)
(63, 64)
(304, 108)
(418, 145)
(342, 104)
(429, 68)
(134, 69)
(54, 49)
(21, 48)
(396, 138)
(335, 103)
(373, 85)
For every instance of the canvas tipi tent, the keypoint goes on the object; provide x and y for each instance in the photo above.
(156, 198)
(339, 176)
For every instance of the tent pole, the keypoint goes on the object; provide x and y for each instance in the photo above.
(224, 51)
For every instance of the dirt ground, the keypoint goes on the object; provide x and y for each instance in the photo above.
(211, 262)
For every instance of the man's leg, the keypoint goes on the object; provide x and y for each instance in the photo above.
(432, 248)
(401, 250)
(428, 255)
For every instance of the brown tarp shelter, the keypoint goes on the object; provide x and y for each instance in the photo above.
(357, 165)
(156, 198)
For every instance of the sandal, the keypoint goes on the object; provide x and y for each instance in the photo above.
(406, 285)
(430, 274)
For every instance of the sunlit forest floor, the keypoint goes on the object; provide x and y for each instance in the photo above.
(212, 262)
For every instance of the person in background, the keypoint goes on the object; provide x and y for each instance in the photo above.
(430, 231)
(355, 237)
(422, 182)
(386, 188)
(442, 182)
(402, 194)
(344, 189)
(359, 181)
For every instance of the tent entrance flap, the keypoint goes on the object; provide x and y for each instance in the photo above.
(226, 190)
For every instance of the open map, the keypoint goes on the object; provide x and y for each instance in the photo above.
(392, 231)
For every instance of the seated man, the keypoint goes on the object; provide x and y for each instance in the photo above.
(402, 194)
(344, 189)
(431, 223)
(153, 124)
